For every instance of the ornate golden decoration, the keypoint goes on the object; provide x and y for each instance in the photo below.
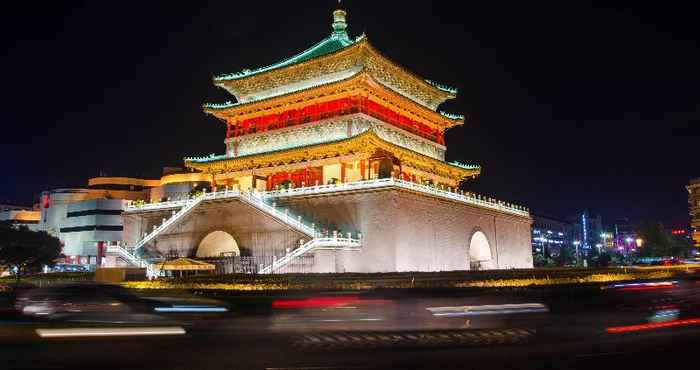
(359, 54)
(363, 84)
(361, 146)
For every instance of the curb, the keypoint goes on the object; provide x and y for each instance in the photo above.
(409, 339)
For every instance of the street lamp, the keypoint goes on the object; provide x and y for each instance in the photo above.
(639, 242)
(576, 244)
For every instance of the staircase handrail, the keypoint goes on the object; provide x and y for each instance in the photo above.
(170, 221)
(316, 243)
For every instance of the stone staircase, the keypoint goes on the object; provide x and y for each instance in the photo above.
(254, 199)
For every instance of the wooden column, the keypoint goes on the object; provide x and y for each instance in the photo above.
(342, 172)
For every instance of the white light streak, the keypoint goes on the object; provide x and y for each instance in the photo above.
(487, 309)
(109, 332)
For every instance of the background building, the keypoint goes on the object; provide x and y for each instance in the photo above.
(694, 208)
(20, 215)
(552, 238)
(587, 233)
(88, 220)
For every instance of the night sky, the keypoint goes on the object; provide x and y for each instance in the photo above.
(569, 107)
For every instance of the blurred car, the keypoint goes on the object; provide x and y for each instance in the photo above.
(86, 302)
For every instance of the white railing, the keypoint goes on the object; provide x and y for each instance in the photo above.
(468, 198)
(132, 259)
(257, 200)
(251, 198)
(126, 255)
(347, 244)
(158, 206)
(169, 222)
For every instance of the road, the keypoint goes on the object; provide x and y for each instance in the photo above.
(583, 327)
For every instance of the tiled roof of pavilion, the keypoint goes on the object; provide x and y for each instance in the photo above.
(333, 44)
(338, 40)
(330, 44)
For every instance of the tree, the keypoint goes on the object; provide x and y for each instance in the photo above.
(658, 242)
(24, 250)
(680, 246)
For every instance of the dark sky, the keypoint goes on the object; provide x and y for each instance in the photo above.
(570, 107)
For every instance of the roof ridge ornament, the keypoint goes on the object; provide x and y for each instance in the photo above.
(339, 24)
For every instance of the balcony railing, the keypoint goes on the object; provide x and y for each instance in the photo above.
(259, 197)
(468, 198)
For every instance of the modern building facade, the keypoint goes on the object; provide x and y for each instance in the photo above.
(89, 220)
(337, 155)
(20, 215)
(552, 237)
(694, 209)
(587, 231)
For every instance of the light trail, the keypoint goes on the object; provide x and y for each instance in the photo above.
(658, 325)
(501, 309)
(109, 332)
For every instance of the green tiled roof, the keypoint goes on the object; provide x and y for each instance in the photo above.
(331, 44)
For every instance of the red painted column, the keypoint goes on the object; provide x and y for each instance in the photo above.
(362, 169)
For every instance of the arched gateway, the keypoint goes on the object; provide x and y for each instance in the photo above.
(479, 251)
(216, 243)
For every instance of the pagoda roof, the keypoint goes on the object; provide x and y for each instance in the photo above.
(330, 44)
(332, 58)
(362, 81)
(362, 145)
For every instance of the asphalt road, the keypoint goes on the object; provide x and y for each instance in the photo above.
(587, 327)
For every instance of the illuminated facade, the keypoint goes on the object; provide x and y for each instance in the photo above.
(351, 144)
(550, 238)
(694, 209)
(87, 220)
(20, 216)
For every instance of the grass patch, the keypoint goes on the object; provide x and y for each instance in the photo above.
(56, 277)
(452, 279)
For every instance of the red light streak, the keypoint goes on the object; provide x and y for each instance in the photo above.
(642, 288)
(318, 302)
(659, 325)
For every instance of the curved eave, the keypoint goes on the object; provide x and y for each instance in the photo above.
(228, 84)
(363, 144)
(447, 95)
(442, 120)
(305, 55)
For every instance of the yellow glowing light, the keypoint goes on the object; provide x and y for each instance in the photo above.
(639, 242)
